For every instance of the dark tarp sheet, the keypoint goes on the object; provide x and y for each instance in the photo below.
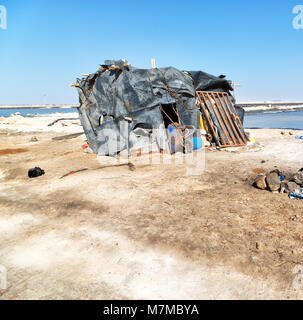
(116, 100)
(207, 82)
(132, 93)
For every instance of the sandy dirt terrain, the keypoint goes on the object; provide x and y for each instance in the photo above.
(145, 231)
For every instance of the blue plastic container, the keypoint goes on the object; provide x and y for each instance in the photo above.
(171, 130)
(173, 134)
(198, 143)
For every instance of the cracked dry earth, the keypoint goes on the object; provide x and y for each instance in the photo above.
(148, 231)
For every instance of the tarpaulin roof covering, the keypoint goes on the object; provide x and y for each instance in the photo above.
(123, 96)
(206, 82)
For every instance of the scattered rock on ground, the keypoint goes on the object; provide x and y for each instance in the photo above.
(289, 186)
(298, 178)
(260, 182)
(276, 181)
(273, 180)
(34, 139)
(88, 150)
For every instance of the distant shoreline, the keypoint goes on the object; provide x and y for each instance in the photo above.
(249, 108)
(40, 106)
(261, 109)
(270, 106)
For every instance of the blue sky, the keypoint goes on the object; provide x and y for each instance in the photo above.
(48, 44)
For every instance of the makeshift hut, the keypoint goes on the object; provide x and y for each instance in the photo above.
(125, 108)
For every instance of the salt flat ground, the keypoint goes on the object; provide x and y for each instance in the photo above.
(148, 231)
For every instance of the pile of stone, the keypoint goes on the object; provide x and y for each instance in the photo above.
(277, 181)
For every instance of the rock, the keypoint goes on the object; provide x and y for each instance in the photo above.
(206, 143)
(298, 178)
(273, 180)
(276, 171)
(34, 139)
(287, 176)
(260, 182)
(289, 186)
(88, 150)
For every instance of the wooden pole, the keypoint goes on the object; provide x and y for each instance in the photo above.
(234, 85)
(153, 61)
